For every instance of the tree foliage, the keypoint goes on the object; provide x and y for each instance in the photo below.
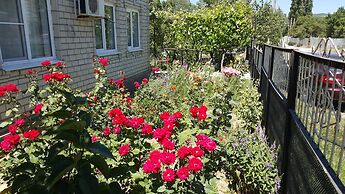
(309, 26)
(270, 24)
(300, 8)
(336, 24)
(224, 26)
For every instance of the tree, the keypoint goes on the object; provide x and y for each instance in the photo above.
(308, 26)
(270, 24)
(177, 5)
(336, 24)
(300, 8)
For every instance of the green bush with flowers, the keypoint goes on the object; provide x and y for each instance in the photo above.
(169, 138)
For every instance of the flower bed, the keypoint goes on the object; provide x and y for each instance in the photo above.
(186, 132)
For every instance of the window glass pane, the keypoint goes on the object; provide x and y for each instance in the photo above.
(109, 27)
(10, 11)
(98, 31)
(129, 29)
(39, 33)
(12, 42)
(135, 29)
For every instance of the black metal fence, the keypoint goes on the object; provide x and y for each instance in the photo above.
(303, 97)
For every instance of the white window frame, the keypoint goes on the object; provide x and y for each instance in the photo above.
(104, 50)
(30, 62)
(132, 48)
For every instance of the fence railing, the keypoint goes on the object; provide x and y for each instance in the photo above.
(304, 98)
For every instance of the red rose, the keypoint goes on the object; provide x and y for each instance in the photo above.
(12, 129)
(164, 116)
(31, 134)
(94, 139)
(155, 69)
(183, 173)
(167, 158)
(46, 63)
(20, 122)
(38, 108)
(194, 110)
(168, 144)
(106, 131)
(116, 130)
(145, 81)
(9, 142)
(197, 152)
(47, 77)
(168, 175)
(177, 115)
(183, 152)
(195, 164)
(103, 61)
(60, 64)
(120, 83)
(136, 84)
(169, 125)
(205, 142)
(146, 129)
(124, 150)
(135, 122)
(161, 133)
(151, 166)
(155, 155)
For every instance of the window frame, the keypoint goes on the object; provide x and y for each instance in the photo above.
(30, 62)
(132, 48)
(104, 51)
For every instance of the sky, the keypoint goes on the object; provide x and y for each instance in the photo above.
(320, 6)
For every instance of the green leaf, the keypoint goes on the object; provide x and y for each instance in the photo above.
(4, 124)
(101, 149)
(72, 136)
(61, 114)
(61, 165)
(56, 149)
(161, 189)
(101, 164)
(27, 167)
(88, 184)
(131, 163)
(35, 189)
(72, 125)
(20, 181)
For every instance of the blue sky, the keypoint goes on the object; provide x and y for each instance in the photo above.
(320, 6)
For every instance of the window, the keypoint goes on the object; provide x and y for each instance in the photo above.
(25, 30)
(105, 30)
(133, 30)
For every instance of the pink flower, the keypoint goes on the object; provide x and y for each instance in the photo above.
(38, 108)
(195, 164)
(31, 134)
(168, 175)
(124, 150)
(103, 61)
(106, 131)
(94, 139)
(116, 130)
(205, 142)
(183, 173)
(231, 72)
(135, 122)
(183, 152)
(167, 158)
(120, 83)
(161, 133)
(9, 142)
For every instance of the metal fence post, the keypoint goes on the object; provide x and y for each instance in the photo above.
(291, 104)
(269, 82)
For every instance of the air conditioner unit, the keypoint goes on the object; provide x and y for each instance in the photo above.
(89, 8)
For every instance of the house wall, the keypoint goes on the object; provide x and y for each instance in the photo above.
(75, 45)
